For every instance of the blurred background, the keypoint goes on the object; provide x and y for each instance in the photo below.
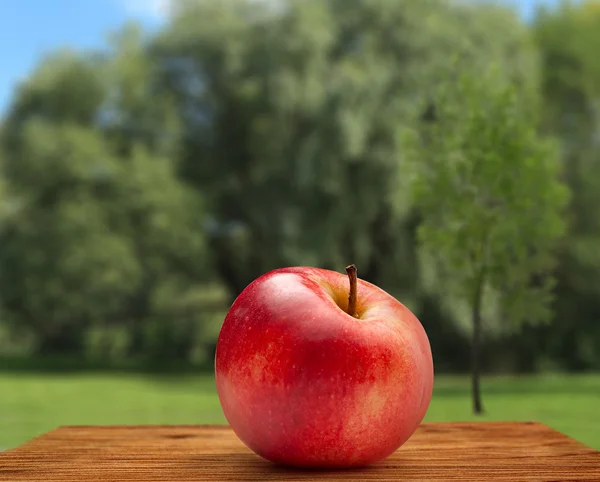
(158, 155)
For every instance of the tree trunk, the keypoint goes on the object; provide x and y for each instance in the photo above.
(139, 312)
(476, 348)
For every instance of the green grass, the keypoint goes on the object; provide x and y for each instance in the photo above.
(32, 404)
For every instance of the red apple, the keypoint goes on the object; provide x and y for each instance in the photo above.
(310, 378)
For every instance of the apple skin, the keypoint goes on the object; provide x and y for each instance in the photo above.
(304, 384)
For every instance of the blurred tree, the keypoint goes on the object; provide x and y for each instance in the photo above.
(489, 191)
(61, 266)
(135, 110)
(291, 120)
(4, 197)
(100, 231)
(568, 38)
(66, 87)
(163, 219)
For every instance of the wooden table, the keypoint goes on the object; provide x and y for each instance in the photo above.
(437, 451)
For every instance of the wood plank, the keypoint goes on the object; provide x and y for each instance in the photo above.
(447, 451)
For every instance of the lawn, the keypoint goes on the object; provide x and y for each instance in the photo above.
(33, 404)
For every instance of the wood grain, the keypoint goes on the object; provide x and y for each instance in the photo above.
(448, 451)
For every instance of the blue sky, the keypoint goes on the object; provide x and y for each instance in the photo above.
(29, 28)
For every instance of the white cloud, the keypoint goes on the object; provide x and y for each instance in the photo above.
(161, 9)
(155, 9)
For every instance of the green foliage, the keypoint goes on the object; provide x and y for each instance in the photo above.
(146, 185)
(297, 110)
(489, 191)
(133, 112)
(65, 87)
(567, 37)
(60, 262)
(94, 234)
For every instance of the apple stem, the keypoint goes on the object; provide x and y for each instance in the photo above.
(351, 271)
